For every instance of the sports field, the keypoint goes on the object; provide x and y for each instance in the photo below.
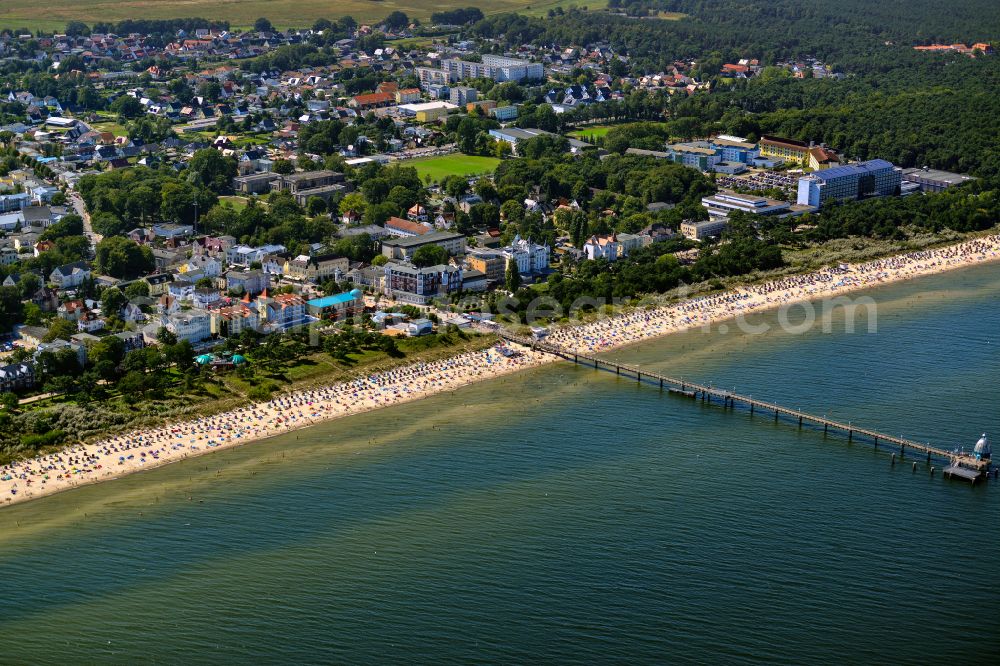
(457, 164)
(54, 14)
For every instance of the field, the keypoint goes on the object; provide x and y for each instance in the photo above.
(54, 14)
(590, 132)
(439, 168)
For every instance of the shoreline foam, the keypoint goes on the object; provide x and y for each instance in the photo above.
(141, 450)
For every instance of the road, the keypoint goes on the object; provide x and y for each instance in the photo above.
(88, 230)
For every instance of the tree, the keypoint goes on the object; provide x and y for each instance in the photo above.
(263, 25)
(11, 310)
(112, 301)
(137, 289)
(397, 20)
(9, 402)
(513, 277)
(430, 255)
(127, 107)
(212, 169)
(283, 167)
(106, 356)
(166, 337)
(28, 284)
(122, 258)
(180, 354)
(61, 329)
(315, 206)
(108, 224)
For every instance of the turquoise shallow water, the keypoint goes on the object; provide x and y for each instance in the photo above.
(560, 516)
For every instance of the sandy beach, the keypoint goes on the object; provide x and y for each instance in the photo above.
(146, 449)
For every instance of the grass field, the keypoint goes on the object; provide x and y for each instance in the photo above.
(590, 132)
(439, 168)
(238, 203)
(54, 14)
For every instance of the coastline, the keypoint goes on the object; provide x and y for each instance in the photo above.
(115, 457)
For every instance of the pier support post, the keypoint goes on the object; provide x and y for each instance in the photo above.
(638, 377)
(928, 457)
(902, 450)
(850, 435)
(661, 383)
(751, 408)
(876, 442)
(618, 369)
(800, 422)
(826, 428)
(775, 415)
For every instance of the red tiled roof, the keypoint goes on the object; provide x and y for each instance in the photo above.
(405, 225)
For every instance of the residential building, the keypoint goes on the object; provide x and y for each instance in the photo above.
(318, 268)
(433, 77)
(704, 228)
(604, 247)
(159, 283)
(234, 319)
(490, 264)
(250, 282)
(735, 149)
(16, 377)
(530, 258)
(14, 202)
(798, 152)
(337, 306)
(498, 68)
(71, 275)
(323, 184)
(849, 182)
(462, 95)
(281, 312)
(503, 113)
(408, 284)
(397, 226)
(407, 95)
(695, 154)
(403, 248)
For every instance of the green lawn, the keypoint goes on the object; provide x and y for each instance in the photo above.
(439, 168)
(238, 203)
(590, 132)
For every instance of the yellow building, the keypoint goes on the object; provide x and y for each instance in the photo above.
(798, 153)
(788, 150)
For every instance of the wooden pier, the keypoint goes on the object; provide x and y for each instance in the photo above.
(972, 469)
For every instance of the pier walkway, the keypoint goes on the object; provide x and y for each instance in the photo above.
(732, 399)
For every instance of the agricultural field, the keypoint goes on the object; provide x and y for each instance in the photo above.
(54, 14)
(457, 164)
